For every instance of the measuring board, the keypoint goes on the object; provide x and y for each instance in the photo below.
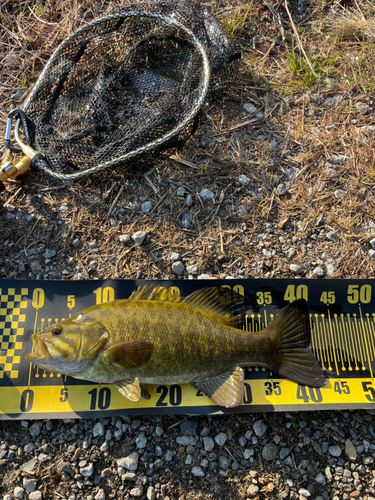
(342, 318)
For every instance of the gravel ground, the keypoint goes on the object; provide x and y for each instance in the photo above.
(277, 182)
(317, 455)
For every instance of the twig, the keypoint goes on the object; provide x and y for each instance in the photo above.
(243, 255)
(298, 39)
(158, 203)
(152, 185)
(268, 51)
(41, 20)
(115, 200)
(12, 197)
(83, 267)
(185, 162)
(221, 237)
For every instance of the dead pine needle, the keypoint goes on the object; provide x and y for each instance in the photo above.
(298, 39)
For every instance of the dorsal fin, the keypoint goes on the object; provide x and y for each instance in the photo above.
(149, 292)
(215, 300)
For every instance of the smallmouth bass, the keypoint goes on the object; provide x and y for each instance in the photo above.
(157, 337)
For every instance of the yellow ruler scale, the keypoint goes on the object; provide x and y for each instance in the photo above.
(342, 320)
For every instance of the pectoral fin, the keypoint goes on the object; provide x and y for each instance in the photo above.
(130, 354)
(225, 389)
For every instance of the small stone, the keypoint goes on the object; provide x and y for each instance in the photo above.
(42, 457)
(284, 452)
(250, 108)
(186, 220)
(350, 450)
(339, 194)
(98, 429)
(139, 237)
(207, 194)
(100, 495)
(35, 267)
(319, 478)
(224, 462)
(137, 491)
(124, 238)
(244, 180)
(269, 452)
(151, 493)
(87, 471)
(295, 269)
(76, 242)
(129, 476)
(242, 212)
(331, 235)
(130, 462)
(29, 484)
(274, 144)
(281, 189)
(189, 201)
(197, 472)
(28, 466)
(335, 450)
(208, 443)
(181, 191)
(372, 243)
(333, 101)
(193, 269)
(35, 495)
(141, 441)
(304, 493)
(259, 428)
(18, 492)
(252, 490)
(29, 448)
(178, 268)
(337, 159)
(146, 207)
(175, 256)
(318, 272)
(221, 438)
(189, 427)
(48, 254)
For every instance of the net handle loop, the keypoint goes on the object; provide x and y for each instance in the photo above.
(21, 119)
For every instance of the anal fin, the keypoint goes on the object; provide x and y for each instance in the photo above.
(225, 389)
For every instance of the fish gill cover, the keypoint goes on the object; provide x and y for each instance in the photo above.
(126, 86)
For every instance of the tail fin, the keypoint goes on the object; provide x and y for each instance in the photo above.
(294, 358)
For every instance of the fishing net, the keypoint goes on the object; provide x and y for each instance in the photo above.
(125, 87)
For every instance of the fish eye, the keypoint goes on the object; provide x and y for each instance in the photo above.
(56, 330)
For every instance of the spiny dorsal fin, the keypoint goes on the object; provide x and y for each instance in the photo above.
(215, 300)
(149, 292)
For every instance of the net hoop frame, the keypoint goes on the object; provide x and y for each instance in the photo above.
(41, 163)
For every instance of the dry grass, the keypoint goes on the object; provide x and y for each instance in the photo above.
(315, 110)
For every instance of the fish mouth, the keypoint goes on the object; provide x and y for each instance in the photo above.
(39, 350)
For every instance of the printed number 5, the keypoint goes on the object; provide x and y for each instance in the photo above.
(367, 387)
(64, 395)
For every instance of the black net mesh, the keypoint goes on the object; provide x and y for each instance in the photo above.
(125, 86)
